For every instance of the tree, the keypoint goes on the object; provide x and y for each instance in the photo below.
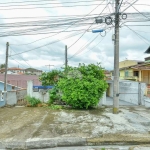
(2, 66)
(49, 78)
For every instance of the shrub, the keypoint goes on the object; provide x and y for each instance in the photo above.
(84, 86)
(54, 95)
(32, 101)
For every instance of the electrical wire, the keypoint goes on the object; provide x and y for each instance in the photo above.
(48, 1)
(17, 61)
(140, 36)
(21, 57)
(87, 29)
(52, 7)
(47, 44)
(69, 26)
(81, 49)
(51, 3)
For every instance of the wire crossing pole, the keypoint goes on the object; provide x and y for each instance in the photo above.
(6, 66)
(116, 61)
(66, 59)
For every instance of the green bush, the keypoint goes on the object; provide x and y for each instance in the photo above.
(54, 95)
(32, 101)
(84, 86)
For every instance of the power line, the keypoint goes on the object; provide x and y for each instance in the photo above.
(81, 49)
(48, 1)
(87, 29)
(17, 61)
(51, 3)
(96, 44)
(140, 36)
(71, 25)
(47, 44)
(22, 58)
(49, 7)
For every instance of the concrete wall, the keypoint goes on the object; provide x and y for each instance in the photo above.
(42, 95)
(129, 91)
(13, 97)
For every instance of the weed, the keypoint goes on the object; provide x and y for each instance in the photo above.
(52, 106)
(32, 101)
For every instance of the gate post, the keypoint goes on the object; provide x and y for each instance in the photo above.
(139, 94)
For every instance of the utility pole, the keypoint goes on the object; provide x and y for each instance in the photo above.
(66, 59)
(116, 61)
(6, 66)
(49, 66)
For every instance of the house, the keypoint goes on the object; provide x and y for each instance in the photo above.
(13, 70)
(32, 71)
(108, 74)
(135, 70)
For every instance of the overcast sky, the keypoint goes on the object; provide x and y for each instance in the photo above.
(58, 31)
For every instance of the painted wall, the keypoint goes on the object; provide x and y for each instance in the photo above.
(127, 63)
(9, 87)
(145, 76)
(130, 75)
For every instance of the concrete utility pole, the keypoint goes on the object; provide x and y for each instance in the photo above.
(49, 66)
(116, 61)
(6, 66)
(66, 58)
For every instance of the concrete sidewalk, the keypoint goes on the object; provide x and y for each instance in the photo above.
(42, 127)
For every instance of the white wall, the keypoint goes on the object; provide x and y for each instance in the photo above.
(43, 96)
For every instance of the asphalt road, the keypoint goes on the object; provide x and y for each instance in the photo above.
(90, 148)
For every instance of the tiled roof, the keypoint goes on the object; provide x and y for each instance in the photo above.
(143, 66)
(14, 68)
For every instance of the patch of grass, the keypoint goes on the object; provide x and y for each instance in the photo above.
(32, 101)
(103, 149)
(55, 107)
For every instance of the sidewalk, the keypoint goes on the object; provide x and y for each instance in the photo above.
(42, 127)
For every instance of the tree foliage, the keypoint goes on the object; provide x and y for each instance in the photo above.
(2, 66)
(49, 78)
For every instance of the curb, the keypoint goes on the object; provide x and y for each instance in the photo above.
(38, 143)
(43, 143)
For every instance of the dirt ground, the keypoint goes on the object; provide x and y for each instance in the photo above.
(132, 124)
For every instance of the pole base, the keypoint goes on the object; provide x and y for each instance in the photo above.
(115, 110)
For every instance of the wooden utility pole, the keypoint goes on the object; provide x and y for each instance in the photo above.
(116, 61)
(49, 66)
(66, 59)
(6, 66)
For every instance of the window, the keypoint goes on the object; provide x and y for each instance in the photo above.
(136, 73)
